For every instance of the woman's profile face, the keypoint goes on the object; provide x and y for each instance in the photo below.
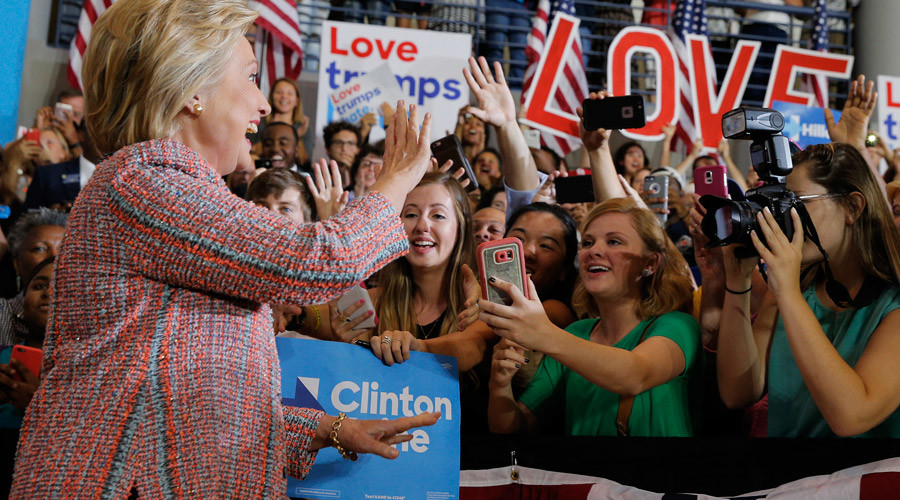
(284, 98)
(429, 217)
(827, 214)
(612, 257)
(543, 248)
(234, 108)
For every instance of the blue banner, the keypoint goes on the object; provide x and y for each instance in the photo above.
(12, 57)
(804, 125)
(338, 377)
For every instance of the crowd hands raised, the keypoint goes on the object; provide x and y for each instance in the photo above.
(614, 336)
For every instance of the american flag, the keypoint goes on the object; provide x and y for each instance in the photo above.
(818, 84)
(573, 87)
(89, 14)
(277, 40)
(690, 18)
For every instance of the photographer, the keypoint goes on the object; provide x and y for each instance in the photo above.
(827, 361)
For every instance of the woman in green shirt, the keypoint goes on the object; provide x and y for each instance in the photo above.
(643, 354)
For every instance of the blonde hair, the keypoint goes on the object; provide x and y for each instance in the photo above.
(64, 143)
(147, 58)
(395, 307)
(668, 289)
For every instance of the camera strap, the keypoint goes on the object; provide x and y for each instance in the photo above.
(834, 288)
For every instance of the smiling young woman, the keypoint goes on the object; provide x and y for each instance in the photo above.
(645, 349)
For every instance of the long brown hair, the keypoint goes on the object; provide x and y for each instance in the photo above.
(666, 290)
(298, 109)
(841, 169)
(395, 304)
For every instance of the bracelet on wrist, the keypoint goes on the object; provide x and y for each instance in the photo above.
(733, 292)
(335, 427)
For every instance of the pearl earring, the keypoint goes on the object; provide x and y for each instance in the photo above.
(198, 109)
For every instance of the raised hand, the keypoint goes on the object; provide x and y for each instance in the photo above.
(407, 154)
(473, 292)
(593, 139)
(326, 189)
(854, 122)
(496, 105)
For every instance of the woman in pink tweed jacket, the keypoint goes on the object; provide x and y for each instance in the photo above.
(161, 377)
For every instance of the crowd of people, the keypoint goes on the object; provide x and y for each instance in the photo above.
(628, 324)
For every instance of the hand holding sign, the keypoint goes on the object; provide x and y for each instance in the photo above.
(854, 121)
(495, 102)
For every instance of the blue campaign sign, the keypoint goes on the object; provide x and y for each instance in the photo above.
(338, 377)
(804, 125)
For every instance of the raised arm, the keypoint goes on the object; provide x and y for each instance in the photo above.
(497, 107)
(596, 146)
(190, 231)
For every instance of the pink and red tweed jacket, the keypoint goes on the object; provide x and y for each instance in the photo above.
(160, 364)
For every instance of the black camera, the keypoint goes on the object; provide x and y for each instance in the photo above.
(263, 163)
(730, 221)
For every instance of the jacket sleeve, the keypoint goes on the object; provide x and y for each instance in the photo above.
(194, 233)
(301, 425)
(34, 197)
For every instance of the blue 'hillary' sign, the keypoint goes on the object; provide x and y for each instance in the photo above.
(337, 377)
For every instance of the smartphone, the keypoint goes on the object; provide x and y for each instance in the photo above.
(28, 356)
(615, 113)
(533, 138)
(501, 259)
(60, 111)
(449, 148)
(574, 189)
(657, 186)
(33, 134)
(711, 180)
(353, 296)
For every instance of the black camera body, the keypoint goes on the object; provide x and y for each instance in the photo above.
(728, 221)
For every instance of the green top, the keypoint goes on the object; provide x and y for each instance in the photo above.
(792, 411)
(664, 410)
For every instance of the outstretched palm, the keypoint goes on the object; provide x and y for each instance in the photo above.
(495, 102)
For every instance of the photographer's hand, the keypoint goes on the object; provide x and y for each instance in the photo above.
(782, 256)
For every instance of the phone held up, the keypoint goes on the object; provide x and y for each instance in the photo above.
(449, 148)
(711, 180)
(656, 188)
(614, 113)
(501, 259)
(574, 189)
(28, 356)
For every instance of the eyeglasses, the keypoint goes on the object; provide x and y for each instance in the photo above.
(341, 144)
(812, 197)
(370, 164)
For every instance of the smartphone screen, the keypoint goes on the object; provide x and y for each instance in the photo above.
(574, 189)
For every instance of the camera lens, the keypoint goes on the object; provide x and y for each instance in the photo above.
(724, 229)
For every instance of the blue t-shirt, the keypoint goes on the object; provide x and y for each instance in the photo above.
(792, 411)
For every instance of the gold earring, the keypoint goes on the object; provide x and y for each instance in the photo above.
(198, 109)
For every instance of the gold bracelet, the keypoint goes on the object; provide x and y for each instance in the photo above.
(318, 319)
(335, 427)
